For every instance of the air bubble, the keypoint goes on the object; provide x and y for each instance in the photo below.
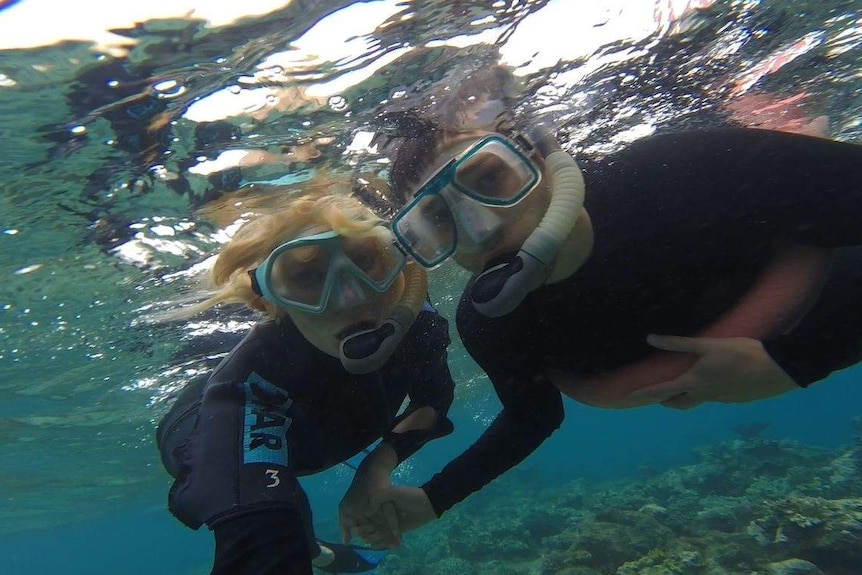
(338, 103)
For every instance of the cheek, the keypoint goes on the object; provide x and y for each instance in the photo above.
(529, 212)
(391, 297)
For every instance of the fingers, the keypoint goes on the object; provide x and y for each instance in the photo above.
(379, 529)
(346, 533)
(681, 401)
(677, 343)
(381, 524)
(664, 390)
(374, 536)
(390, 516)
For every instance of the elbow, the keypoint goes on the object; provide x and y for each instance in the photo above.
(555, 417)
(545, 418)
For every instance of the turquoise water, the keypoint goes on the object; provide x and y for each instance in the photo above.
(102, 175)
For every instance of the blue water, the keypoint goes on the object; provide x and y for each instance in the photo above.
(98, 220)
(143, 539)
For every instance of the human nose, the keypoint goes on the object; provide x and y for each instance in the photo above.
(349, 292)
(475, 220)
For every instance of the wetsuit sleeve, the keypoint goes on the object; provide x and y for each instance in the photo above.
(532, 411)
(432, 386)
(265, 543)
(829, 337)
(236, 475)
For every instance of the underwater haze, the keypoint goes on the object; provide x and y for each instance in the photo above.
(129, 134)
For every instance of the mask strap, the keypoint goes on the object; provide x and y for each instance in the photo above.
(255, 285)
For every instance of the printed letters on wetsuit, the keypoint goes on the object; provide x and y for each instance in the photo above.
(265, 422)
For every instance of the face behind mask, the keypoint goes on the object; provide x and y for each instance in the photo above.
(328, 272)
(453, 209)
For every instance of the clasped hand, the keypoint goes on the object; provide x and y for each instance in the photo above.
(381, 514)
(727, 370)
(362, 509)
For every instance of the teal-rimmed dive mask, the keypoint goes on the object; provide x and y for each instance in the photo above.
(327, 271)
(492, 172)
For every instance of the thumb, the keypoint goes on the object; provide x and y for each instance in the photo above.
(676, 343)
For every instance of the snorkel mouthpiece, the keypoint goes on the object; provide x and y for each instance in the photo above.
(503, 286)
(369, 350)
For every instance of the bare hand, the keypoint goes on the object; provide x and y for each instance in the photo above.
(727, 370)
(412, 509)
(361, 509)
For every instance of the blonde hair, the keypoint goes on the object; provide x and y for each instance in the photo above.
(257, 238)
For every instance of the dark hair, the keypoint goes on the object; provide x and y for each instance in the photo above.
(467, 99)
(410, 142)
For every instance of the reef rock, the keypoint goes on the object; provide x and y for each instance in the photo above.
(793, 567)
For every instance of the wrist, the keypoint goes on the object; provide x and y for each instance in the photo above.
(380, 462)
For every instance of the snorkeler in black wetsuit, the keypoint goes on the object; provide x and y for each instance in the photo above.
(294, 398)
(671, 234)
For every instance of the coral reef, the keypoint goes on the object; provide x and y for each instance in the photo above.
(750, 506)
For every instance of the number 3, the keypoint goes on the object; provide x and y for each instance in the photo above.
(273, 474)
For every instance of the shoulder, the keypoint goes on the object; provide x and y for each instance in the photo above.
(430, 329)
(268, 349)
(480, 334)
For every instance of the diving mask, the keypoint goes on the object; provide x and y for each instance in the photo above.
(328, 271)
(492, 172)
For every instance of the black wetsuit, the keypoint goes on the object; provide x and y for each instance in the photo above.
(683, 224)
(277, 408)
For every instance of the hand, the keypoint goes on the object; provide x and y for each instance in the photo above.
(359, 508)
(727, 370)
(412, 508)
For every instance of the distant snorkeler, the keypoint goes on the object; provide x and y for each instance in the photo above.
(689, 267)
(349, 335)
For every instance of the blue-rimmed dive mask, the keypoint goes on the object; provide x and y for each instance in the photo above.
(454, 202)
(327, 271)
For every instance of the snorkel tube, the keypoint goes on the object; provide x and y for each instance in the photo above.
(503, 286)
(368, 350)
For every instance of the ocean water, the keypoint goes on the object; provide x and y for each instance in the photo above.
(124, 127)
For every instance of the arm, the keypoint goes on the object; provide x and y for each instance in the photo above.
(829, 337)
(269, 542)
(516, 432)
(234, 474)
(735, 369)
(532, 411)
(431, 396)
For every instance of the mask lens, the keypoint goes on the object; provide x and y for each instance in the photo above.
(428, 230)
(495, 173)
(376, 257)
(299, 274)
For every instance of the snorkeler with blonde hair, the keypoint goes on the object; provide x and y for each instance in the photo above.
(348, 336)
(699, 266)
